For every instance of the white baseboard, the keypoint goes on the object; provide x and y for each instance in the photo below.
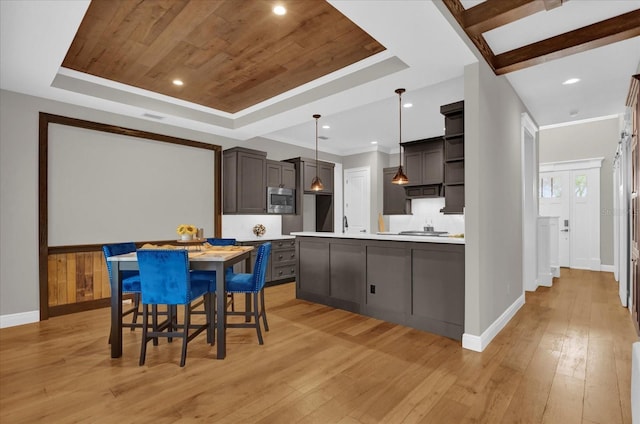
(479, 343)
(555, 271)
(545, 280)
(607, 268)
(11, 320)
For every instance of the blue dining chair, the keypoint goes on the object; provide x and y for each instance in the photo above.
(130, 280)
(253, 284)
(165, 279)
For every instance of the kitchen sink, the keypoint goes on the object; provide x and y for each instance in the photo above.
(423, 233)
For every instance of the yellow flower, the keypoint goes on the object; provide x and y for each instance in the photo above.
(190, 229)
(181, 229)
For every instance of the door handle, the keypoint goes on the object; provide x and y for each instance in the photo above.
(566, 230)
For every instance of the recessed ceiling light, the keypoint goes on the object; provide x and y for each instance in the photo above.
(326, 127)
(571, 81)
(407, 105)
(279, 10)
(374, 142)
(177, 82)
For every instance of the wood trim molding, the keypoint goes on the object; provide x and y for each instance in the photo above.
(43, 225)
(492, 14)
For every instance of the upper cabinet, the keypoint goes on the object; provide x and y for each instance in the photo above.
(325, 173)
(244, 181)
(453, 157)
(424, 167)
(281, 174)
(394, 199)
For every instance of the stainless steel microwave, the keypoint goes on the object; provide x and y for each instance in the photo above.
(281, 200)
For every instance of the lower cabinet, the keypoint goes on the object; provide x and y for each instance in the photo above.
(420, 285)
(282, 262)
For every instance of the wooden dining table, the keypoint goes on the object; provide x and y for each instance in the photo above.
(215, 258)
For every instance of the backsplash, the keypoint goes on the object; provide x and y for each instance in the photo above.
(241, 226)
(427, 212)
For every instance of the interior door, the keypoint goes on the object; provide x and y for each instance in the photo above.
(356, 200)
(555, 201)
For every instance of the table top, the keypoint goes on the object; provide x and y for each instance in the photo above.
(211, 254)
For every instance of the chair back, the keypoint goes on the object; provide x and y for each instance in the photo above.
(164, 276)
(221, 241)
(116, 249)
(260, 267)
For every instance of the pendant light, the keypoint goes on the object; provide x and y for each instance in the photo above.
(400, 177)
(316, 183)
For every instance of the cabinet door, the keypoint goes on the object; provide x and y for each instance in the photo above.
(288, 175)
(274, 174)
(313, 269)
(325, 174)
(394, 200)
(432, 167)
(388, 291)
(347, 271)
(252, 193)
(413, 167)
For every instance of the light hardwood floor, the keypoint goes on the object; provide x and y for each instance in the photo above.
(564, 358)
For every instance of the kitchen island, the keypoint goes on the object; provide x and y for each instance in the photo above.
(417, 281)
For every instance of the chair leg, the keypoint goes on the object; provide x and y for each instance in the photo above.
(143, 347)
(154, 321)
(256, 316)
(233, 304)
(185, 334)
(263, 312)
(136, 311)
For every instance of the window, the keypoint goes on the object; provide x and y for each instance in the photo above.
(550, 187)
(581, 186)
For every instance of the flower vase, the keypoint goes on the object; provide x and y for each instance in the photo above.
(186, 237)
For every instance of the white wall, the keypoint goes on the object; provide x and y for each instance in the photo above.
(493, 204)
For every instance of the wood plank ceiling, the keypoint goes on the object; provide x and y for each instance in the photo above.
(230, 54)
(492, 14)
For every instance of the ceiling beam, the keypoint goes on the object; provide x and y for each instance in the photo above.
(457, 10)
(492, 14)
(592, 36)
(552, 4)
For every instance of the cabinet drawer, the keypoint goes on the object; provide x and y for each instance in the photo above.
(283, 271)
(283, 244)
(423, 191)
(283, 256)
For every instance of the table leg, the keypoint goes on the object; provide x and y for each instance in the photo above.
(116, 311)
(221, 310)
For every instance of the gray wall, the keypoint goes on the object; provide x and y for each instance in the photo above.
(19, 287)
(584, 141)
(493, 197)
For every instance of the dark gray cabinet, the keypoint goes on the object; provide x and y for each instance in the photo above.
(388, 291)
(281, 174)
(244, 181)
(424, 163)
(325, 173)
(282, 262)
(410, 283)
(453, 157)
(323, 201)
(394, 198)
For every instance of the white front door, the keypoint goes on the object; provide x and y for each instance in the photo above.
(555, 201)
(357, 200)
(571, 191)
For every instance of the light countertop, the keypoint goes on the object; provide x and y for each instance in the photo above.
(266, 237)
(389, 237)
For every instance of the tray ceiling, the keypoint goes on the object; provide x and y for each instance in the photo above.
(229, 54)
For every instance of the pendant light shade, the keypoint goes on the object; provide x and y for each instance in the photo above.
(400, 177)
(316, 183)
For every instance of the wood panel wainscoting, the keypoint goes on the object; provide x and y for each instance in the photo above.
(564, 358)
